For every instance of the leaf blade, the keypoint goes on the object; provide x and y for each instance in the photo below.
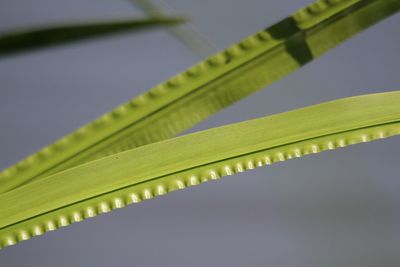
(115, 181)
(29, 39)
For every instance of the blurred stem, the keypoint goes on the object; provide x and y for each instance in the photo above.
(197, 43)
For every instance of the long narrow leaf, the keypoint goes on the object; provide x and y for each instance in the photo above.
(156, 169)
(28, 39)
(192, 96)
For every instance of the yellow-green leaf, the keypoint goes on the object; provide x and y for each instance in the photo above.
(156, 169)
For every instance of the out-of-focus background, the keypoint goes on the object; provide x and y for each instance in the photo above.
(339, 208)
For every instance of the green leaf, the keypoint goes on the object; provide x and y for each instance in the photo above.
(23, 40)
(190, 97)
(156, 169)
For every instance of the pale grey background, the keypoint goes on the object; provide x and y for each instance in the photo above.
(338, 208)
